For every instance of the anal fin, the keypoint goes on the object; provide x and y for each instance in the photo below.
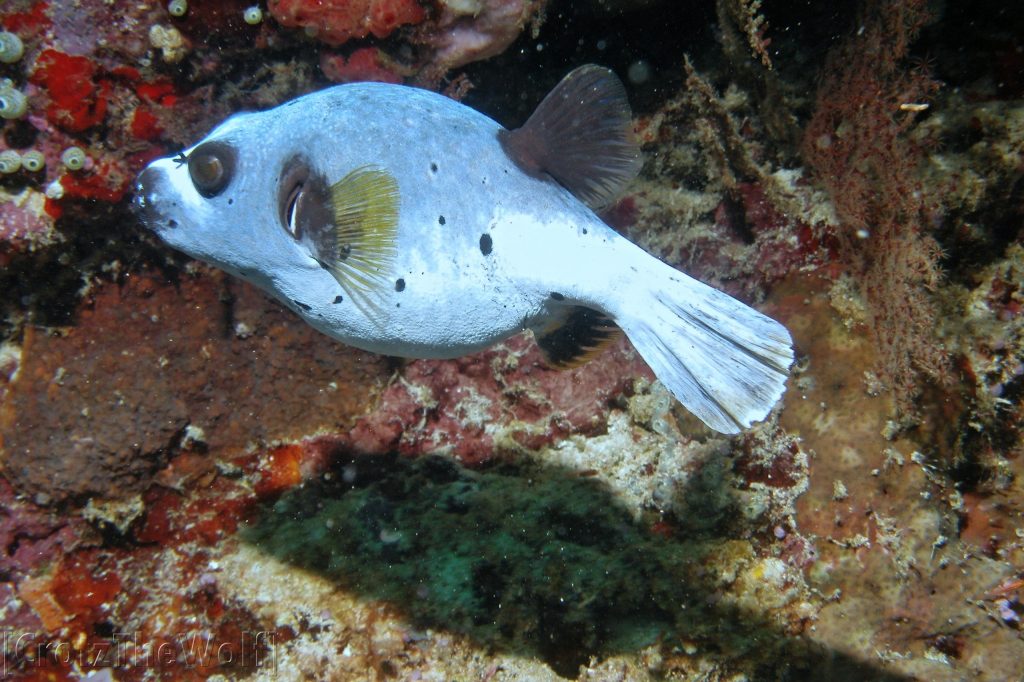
(575, 338)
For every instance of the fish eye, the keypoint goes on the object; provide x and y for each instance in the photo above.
(211, 166)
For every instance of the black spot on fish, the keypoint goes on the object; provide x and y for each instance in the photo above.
(399, 284)
(584, 230)
(433, 167)
(302, 305)
(486, 244)
(230, 201)
(557, 296)
(440, 220)
(398, 305)
(172, 223)
(338, 299)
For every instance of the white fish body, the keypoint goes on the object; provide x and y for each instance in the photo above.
(466, 244)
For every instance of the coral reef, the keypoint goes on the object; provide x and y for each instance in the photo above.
(193, 485)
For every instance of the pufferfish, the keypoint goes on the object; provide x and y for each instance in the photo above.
(402, 222)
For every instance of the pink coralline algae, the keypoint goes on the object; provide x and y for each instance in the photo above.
(501, 400)
(30, 536)
(23, 220)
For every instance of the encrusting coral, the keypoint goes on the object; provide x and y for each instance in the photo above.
(490, 517)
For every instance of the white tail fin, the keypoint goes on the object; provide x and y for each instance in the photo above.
(724, 361)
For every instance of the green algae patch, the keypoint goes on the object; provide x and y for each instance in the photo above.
(532, 560)
(529, 561)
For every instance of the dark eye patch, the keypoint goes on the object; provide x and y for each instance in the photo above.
(304, 207)
(211, 166)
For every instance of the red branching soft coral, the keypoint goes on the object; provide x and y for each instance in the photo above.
(336, 21)
(857, 145)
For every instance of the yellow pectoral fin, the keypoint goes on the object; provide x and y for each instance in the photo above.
(365, 205)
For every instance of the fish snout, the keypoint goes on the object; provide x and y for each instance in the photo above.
(144, 203)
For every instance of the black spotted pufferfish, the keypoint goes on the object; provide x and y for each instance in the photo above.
(402, 222)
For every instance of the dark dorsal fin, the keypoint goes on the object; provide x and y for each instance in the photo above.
(581, 135)
(572, 340)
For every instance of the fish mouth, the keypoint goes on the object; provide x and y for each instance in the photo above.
(144, 203)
